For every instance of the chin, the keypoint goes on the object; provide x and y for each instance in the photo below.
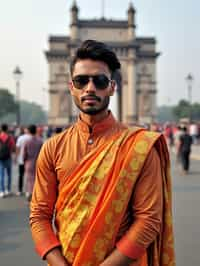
(91, 111)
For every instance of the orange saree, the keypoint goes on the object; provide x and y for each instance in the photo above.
(94, 199)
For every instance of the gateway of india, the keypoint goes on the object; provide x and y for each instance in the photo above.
(136, 83)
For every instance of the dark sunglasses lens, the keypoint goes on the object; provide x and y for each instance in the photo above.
(80, 81)
(101, 82)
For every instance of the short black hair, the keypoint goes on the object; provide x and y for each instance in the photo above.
(4, 127)
(97, 51)
(32, 129)
(184, 129)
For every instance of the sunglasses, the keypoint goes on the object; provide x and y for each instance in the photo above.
(100, 81)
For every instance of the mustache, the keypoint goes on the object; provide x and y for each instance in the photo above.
(91, 96)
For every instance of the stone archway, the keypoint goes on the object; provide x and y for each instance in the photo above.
(117, 76)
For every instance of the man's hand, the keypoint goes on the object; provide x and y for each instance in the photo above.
(118, 259)
(55, 258)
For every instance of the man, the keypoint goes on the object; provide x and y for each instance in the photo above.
(103, 182)
(21, 140)
(31, 150)
(177, 136)
(7, 146)
(185, 143)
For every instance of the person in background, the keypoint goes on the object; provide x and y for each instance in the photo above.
(7, 147)
(168, 132)
(193, 131)
(106, 185)
(185, 143)
(57, 130)
(40, 132)
(50, 131)
(31, 150)
(178, 132)
(20, 143)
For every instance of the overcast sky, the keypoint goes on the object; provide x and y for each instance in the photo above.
(25, 26)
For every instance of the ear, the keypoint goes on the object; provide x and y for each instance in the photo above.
(71, 87)
(113, 87)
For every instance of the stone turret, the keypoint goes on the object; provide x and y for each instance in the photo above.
(74, 21)
(131, 22)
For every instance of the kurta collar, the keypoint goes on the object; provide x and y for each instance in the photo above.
(102, 125)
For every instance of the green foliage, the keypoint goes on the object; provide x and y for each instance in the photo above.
(7, 102)
(195, 111)
(185, 110)
(179, 111)
(31, 113)
(182, 110)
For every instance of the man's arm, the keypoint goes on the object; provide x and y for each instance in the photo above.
(43, 203)
(147, 205)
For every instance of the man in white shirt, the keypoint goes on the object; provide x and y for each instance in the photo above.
(193, 131)
(21, 140)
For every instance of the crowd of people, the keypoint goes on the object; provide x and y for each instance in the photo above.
(179, 137)
(20, 146)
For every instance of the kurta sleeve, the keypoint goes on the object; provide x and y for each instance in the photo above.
(147, 207)
(43, 202)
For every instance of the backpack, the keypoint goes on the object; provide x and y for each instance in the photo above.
(4, 149)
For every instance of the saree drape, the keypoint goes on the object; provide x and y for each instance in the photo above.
(94, 198)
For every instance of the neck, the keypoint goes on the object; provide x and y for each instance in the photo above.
(90, 120)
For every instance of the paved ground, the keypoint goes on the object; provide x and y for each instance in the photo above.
(186, 209)
(16, 248)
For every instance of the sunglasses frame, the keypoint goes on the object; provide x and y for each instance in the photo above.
(88, 77)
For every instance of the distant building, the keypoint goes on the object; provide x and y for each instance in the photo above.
(136, 90)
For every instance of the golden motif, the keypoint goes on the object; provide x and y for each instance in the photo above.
(141, 147)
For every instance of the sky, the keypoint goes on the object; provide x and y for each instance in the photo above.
(25, 26)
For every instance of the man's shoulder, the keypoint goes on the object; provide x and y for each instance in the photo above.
(23, 138)
(144, 132)
(59, 137)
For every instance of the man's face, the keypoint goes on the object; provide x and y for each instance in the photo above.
(91, 98)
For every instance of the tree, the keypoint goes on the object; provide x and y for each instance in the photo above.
(195, 115)
(186, 110)
(182, 110)
(7, 102)
(31, 113)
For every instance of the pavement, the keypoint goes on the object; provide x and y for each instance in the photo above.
(16, 246)
(186, 212)
(195, 152)
(17, 249)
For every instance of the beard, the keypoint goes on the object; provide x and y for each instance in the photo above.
(92, 109)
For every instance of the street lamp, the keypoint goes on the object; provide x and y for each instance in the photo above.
(189, 79)
(17, 74)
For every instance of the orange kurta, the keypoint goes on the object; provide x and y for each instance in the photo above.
(142, 218)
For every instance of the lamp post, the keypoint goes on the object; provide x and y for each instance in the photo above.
(189, 79)
(17, 74)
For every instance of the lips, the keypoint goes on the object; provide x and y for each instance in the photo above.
(90, 99)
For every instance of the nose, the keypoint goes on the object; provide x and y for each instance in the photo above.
(90, 87)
